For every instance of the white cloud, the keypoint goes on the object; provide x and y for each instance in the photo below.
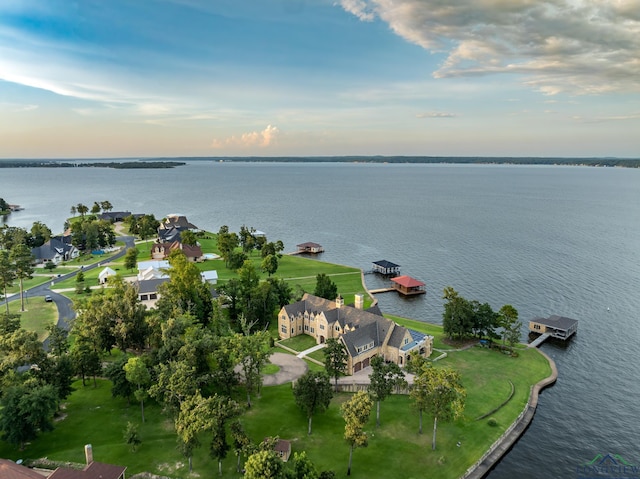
(262, 139)
(436, 114)
(575, 46)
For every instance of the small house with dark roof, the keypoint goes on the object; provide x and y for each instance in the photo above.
(283, 449)
(114, 216)
(179, 222)
(309, 247)
(386, 268)
(407, 285)
(555, 326)
(148, 290)
(365, 333)
(56, 250)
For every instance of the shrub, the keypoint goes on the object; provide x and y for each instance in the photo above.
(492, 422)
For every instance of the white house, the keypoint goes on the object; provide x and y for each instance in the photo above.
(104, 275)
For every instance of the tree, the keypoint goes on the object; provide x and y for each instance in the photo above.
(241, 442)
(184, 293)
(440, 392)
(188, 425)
(22, 260)
(79, 282)
(227, 242)
(508, 321)
(325, 288)
(58, 340)
(263, 465)
(115, 373)
(7, 274)
(95, 209)
(147, 227)
(303, 468)
(26, 410)
(131, 258)
(74, 210)
(188, 237)
(219, 410)
(40, 234)
(484, 320)
(82, 209)
(384, 378)
(269, 264)
(131, 436)
(313, 394)
(335, 359)
(251, 353)
(457, 318)
(356, 413)
(106, 205)
(138, 374)
(86, 360)
(175, 381)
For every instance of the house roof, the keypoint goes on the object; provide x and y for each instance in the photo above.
(107, 272)
(161, 264)
(11, 470)
(558, 322)
(95, 470)
(190, 251)
(209, 275)
(169, 234)
(386, 264)
(407, 281)
(178, 221)
(150, 285)
(309, 244)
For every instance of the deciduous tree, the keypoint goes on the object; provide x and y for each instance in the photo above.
(384, 378)
(335, 359)
(356, 412)
(131, 258)
(7, 274)
(138, 374)
(440, 392)
(325, 288)
(263, 465)
(313, 394)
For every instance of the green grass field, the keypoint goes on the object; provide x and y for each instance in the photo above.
(38, 315)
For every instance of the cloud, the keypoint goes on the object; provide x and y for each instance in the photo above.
(261, 139)
(575, 46)
(436, 114)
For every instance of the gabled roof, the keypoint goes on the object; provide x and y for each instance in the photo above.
(155, 264)
(169, 234)
(407, 281)
(309, 244)
(178, 221)
(11, 470)
(107, 272)
(95, 470)
(150, 285)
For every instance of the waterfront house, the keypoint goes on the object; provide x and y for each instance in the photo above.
(56, 250)
(407, 285)
(555, 326)
(309, 247)
(161, 251)
(386, 268)
(363, 332)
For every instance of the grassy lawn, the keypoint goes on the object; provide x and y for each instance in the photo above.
(395, 449)
(38, 315)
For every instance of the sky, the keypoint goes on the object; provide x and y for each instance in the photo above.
(167, 78)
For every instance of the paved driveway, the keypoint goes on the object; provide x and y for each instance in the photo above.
(291, 368)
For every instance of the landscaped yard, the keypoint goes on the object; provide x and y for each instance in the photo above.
(38, 315)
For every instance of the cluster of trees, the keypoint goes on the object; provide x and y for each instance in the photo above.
(464, 319)
(236, 248)
(88, 233)
(98, 206)
(38, 235)
(30, 399)
(145, 226)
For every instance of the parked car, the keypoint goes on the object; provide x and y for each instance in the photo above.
(48, 298)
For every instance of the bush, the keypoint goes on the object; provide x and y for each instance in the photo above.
(492, 422)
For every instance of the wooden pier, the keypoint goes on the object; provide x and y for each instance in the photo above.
(381, 290)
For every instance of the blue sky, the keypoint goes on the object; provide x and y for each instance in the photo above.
(140, 78)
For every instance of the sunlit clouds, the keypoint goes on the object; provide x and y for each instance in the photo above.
(260, 139)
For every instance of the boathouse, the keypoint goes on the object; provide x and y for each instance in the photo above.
(555, 326)
(310, 247)
(386, 268)
(408, 286)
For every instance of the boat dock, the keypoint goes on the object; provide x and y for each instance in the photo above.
(539, 340)
(381, 290)
(559, 327)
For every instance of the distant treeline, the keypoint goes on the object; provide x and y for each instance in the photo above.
(477, 160)
(82, 164)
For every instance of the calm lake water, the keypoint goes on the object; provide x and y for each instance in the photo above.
(548, 240)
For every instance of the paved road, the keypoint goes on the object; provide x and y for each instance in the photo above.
(291, 368)
(64, 304)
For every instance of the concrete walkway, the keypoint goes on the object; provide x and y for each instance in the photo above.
(291, 368)
(310, 350)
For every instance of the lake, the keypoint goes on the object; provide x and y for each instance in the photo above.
(546, 239)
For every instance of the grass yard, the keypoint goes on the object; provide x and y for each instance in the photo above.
(38, 315)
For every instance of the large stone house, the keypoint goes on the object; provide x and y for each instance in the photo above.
(364, 333)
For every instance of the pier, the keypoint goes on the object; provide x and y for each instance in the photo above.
(559, 327)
